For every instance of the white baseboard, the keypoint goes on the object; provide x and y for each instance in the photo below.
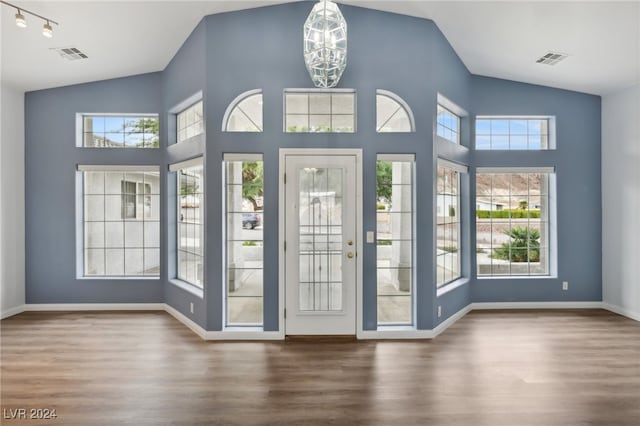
(621, 311)
(535, 305)
(391, 334)
(451, 320)
(186, 321)
(12, 311)
(252, 334)
(94, 307)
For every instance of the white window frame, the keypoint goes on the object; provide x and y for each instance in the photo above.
(551, 131)
(234, 105)
(308, 114)
(402, 105)
(461, 170)
(176, 168)
(189, 125)
(412, 325)
(227, 326)
(80, 128)
(80, 220)
(552, 234)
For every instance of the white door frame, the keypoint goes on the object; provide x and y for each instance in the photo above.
(284, 152)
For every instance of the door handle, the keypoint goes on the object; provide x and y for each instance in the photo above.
(350, 255)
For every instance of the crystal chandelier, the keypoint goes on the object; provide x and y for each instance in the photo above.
(325, 44)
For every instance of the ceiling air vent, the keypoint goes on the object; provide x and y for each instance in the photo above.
(552, 58)
(70, 53)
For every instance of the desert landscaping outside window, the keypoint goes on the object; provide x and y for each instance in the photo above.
(448, 238)
(120, 218)
(320, 111)
(190, 122)
(119, 131)
(244, 253)
(513, 213)
(394, 242)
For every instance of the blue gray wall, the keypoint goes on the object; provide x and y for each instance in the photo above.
(230, 53)
(577, 163)
(51, 157)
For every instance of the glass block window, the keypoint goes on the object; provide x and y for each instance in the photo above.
(190, 122)
(120, 131)
(448, 125)
(518, 133)
(120, 221)
(320, 111)
(512, 222)
(392, 114)
(244, 253)
(244, 114)
(394, 245)
(447, 224)
(190, 216)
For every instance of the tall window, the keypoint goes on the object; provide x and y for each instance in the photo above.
(121, 221)
(244, 114)
(243, 192)
(448, 239)
(394, 246)
(392, 114)
(512, 221)
(448, 125)
(119, 131)
(190, 122)
(513, 133)
(190, 218)
(317, 111)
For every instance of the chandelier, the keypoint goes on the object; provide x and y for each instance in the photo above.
(325, 44)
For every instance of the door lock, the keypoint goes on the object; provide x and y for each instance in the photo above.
(350, 242)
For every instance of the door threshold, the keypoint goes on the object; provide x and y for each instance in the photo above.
(321, 338)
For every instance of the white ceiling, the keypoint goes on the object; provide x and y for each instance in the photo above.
(499, 39)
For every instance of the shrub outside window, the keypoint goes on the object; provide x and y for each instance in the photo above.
(512, 222)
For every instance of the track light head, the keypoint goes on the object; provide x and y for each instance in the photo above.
(20, 20)
(47, 31)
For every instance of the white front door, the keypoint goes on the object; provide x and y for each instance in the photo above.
(321, 244)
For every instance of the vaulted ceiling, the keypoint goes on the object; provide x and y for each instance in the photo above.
(498, 39)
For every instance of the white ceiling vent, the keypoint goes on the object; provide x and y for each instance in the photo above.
(552, 58)
(70, 53)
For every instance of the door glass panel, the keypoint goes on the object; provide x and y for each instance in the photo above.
(320, 239)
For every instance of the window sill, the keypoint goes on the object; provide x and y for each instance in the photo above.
(196, 291)
(516, 277)
(241, 329)
(451, 286)
(395, 328)
(107, 278)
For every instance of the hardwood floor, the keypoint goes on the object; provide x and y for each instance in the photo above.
(514, 368)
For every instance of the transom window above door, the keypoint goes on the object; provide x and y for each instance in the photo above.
(244, 113)
(319, 111)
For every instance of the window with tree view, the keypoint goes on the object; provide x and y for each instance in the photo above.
(512, 222)
(244, 212)
(120, 131)
(394, 245)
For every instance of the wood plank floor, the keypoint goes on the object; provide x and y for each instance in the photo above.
(514, 368)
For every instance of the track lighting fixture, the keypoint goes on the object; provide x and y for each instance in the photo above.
(21, 21)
